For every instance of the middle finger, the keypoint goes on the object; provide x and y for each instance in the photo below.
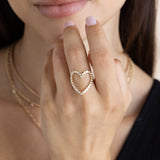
(74, 49)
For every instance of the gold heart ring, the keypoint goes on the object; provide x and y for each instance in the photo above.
(81, 92)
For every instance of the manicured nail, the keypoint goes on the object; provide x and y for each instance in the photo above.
(90, 21)
(61, 37)
(53, 46)
(69, 23)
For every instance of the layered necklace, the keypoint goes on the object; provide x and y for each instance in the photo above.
(23, 99)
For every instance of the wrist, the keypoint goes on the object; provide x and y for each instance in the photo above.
(96, 157)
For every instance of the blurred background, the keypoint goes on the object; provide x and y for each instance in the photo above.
(157, 66)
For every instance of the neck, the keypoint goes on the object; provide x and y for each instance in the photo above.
(30, 51)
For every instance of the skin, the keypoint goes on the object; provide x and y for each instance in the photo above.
(32, 49)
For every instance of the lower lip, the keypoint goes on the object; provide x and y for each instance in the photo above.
(61, 10)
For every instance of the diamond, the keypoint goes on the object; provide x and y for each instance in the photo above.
(32, 105)
(13, 91)
(81, 75)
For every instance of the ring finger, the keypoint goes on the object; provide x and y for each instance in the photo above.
(76, 54)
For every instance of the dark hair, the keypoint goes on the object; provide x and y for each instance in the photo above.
(11, 27)
(137, 30)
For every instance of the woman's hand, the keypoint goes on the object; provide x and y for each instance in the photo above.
(82, 127)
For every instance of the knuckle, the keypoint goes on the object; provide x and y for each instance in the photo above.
(113, 104)
(91, 108)
(112, 108)
(96, 30)
(67, 110)
(102, 56)
(93, 113)
(74, 50)
(66, 104)
(75, 53)
(64, 97)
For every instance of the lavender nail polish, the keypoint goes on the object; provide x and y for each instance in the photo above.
(90, 21)
(69, 23)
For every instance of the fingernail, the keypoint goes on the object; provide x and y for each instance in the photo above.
(53, 46)
(69, 23)
(61, 37)
(90, 21)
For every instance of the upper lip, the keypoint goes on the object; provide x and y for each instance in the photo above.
(55, 2)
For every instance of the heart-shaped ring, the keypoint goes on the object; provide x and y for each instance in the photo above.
(81, 75)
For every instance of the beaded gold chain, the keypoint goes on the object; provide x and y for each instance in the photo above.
(11, 63)
(29, 88)
(14, 91)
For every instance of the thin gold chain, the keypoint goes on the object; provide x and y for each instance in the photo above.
(15, 89)
(130, 65)
(27, 86)
(34, 120)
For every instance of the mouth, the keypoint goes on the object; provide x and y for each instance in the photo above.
(60, 8)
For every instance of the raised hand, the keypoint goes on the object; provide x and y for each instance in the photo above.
(82, 127)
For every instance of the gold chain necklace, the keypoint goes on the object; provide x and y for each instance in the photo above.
(11, 63)
(29, 88)
(16, 92)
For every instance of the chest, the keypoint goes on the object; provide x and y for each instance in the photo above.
(20, 139)
(24, 145)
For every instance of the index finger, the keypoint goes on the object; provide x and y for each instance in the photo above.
(101, 57)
